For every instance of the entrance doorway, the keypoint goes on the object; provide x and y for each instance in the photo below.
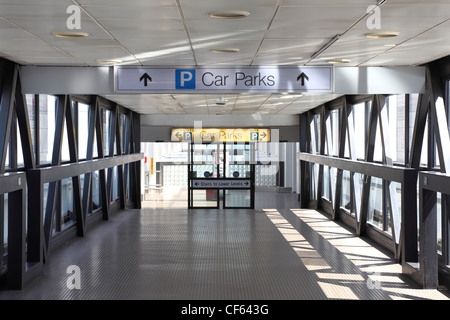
(166, 169)
(221, 175)
(165, 174)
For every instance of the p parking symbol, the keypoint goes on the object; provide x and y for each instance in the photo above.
(254, 136)
(187, 136)
(185, 79)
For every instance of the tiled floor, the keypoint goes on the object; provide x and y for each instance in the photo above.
(275, 252)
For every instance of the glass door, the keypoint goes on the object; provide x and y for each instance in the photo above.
(221, 173)
(239, 166)
(202, 167)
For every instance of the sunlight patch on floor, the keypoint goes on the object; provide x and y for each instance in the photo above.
(381, 270)
(313, 261)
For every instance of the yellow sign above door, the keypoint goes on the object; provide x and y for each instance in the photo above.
(220, 135)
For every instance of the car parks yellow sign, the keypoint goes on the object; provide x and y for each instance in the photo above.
(220, 135)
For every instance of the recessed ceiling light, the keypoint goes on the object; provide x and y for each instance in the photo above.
(109, 61)
(334, 61)
(221, 101)
(225, 50)
(378, 35)
(229, 14)
(72, 35)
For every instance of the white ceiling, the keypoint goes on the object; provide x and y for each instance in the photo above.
(181, 33)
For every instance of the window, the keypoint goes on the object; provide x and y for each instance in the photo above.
(439, 221)
(326, 183)
(396, 132)
(67, 208)
(47, 117)
(346, 199)
(314, 180)
(378, 149)
(65, 152)
(376, 204)
(124, 127)
(332, 138)
(316, 133)
(20, 161)
(413, 106)
(106, 117)
(31, 106)
(424, 153)
(83, 121)
(413, 102)
(358, 119)
(96, 199)
(115, 183)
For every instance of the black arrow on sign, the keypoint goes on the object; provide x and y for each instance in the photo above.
(196, 183)
(264, 134)
(246, 183)
(178, 135)
(146, 78)
(303, 76)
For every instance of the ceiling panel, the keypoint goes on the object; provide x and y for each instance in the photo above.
(139, 12)
(328, 3)
(40, 2)
(181, 33)
(119, 2)
(35, 10)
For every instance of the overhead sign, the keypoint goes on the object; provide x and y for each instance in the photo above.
(220, 135)
(238, 79)
(220, 184)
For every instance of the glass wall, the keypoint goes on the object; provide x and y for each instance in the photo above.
(46, 135)
(106, 118)
(359, 117)
(346, 193)
(376, 210)
(326, 185)
(316, 133)
(82, 118)
(67, 204)
(96, 199)
(47, 121)
(332, 139)
(42, 116)
(392, 128)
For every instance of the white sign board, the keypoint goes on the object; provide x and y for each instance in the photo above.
(220, 184)
(130, 79)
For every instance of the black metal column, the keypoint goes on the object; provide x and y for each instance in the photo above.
(16, 239)
(427, 239)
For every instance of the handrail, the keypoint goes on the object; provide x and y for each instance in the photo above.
(435, 181)
(64, 171)
(407, 177)
(10, 182)
(386, 172)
